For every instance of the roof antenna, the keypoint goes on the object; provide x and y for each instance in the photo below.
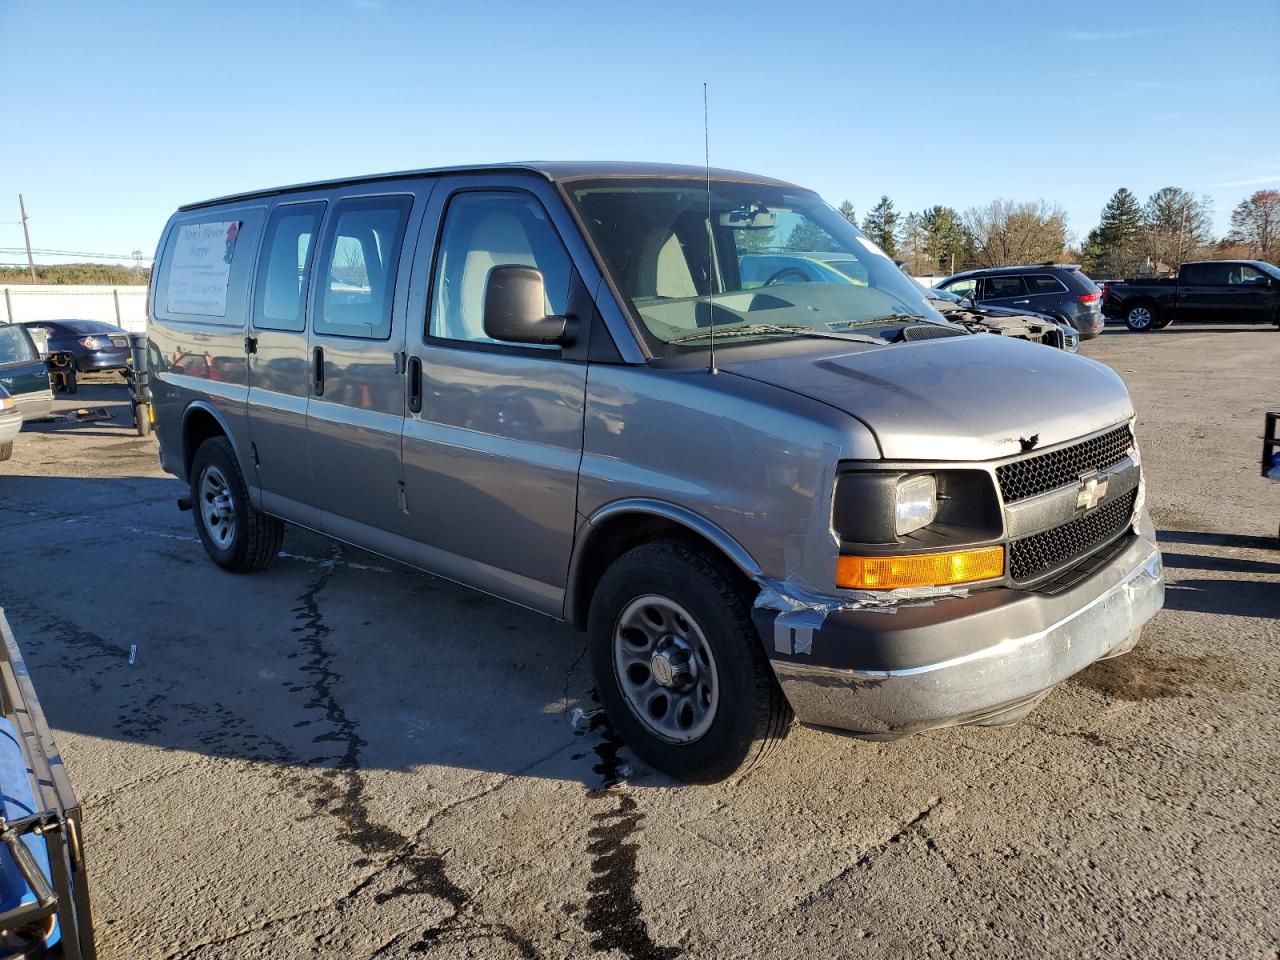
(711, 234)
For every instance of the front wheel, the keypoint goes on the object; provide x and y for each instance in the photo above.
(679, 665)
(236, 536)
(6, 450)
(1140, 318)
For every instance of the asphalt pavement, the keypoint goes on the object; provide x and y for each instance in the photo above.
(345, 758)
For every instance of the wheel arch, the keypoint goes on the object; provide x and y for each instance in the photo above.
(200, 422)
(619, 526)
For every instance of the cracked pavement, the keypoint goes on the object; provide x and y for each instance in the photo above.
(345, 758)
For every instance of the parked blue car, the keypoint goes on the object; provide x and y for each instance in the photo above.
(94, 345)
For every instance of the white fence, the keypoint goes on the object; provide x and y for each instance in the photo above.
(126, 306)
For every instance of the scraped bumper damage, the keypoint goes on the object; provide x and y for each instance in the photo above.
(983, 658)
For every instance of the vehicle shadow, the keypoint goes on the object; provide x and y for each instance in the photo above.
(1113, 327)
(333, 658)
(1237, 598)
(1202, 538)
(1200, 561)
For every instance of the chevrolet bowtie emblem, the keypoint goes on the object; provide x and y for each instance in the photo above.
(1091, 493)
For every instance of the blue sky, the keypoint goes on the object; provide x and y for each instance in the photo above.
(115, 113)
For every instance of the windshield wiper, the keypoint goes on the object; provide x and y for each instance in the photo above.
(884, 318)
(775, 329)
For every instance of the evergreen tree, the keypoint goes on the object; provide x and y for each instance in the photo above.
(846, 211)
(1116, 246)
(806, 236)
(946, 243)
(881, 225)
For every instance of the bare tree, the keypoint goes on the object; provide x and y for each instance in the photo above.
(913, 241)
(1255, 224)
(1179, 226)
(1006, 232)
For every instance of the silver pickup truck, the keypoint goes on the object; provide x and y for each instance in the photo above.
(760, 495)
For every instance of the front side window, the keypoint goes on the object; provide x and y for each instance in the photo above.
(283, 267)
(962, 288)
(360, 257)
(483, 230)
(1245, 274)
(15, 345)
(774, 261)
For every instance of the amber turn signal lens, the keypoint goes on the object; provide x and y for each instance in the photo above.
(921, 570)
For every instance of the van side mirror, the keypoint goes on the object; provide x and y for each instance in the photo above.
(515, 308)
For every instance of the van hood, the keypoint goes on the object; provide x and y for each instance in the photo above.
(975, 397)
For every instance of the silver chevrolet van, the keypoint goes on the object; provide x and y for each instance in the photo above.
(760, 495)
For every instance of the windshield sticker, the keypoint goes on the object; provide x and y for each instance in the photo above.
(200, 270)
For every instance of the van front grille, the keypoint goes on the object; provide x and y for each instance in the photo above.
(1034, 556)
(1033, 475)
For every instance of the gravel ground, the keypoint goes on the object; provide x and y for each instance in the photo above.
(343, 758)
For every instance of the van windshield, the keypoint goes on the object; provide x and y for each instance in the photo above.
(777, 262)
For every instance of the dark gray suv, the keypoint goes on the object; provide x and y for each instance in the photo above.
(1059, 290)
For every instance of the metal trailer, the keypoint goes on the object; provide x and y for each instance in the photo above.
(56, 820)
(139, 381)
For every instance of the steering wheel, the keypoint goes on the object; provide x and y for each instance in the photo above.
(785, 271)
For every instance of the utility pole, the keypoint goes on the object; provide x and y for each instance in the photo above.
(26, 234)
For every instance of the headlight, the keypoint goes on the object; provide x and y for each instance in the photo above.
(7, 403)
(916, 504)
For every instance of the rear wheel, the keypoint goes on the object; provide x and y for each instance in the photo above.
(679, 665)
(1140, 317)
(236, 536)
(142, 419)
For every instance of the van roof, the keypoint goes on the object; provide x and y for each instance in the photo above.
(557, 171)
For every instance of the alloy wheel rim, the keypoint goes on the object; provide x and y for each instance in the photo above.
(217, 507)
(1140, 317)
(665, 669)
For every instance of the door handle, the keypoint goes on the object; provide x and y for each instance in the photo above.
(415, 384)
(317, 371)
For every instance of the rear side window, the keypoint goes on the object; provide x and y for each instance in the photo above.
(1044, 283)
(1004, 287)
(1207, 274)
(15, 345)
(483, 230)
(283, 266)
(360, 257)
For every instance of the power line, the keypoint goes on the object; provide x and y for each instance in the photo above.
(74, 253)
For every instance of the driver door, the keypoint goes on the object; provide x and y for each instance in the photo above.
(493, 431)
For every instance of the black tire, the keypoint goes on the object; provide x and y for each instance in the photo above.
(751, 714)
(6, 450)
(251, 540)
(1141, 317)
(142, 419)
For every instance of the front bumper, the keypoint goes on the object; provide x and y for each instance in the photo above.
(10, 424)
(985, 658)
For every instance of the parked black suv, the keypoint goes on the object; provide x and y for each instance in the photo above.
(1058, 290)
